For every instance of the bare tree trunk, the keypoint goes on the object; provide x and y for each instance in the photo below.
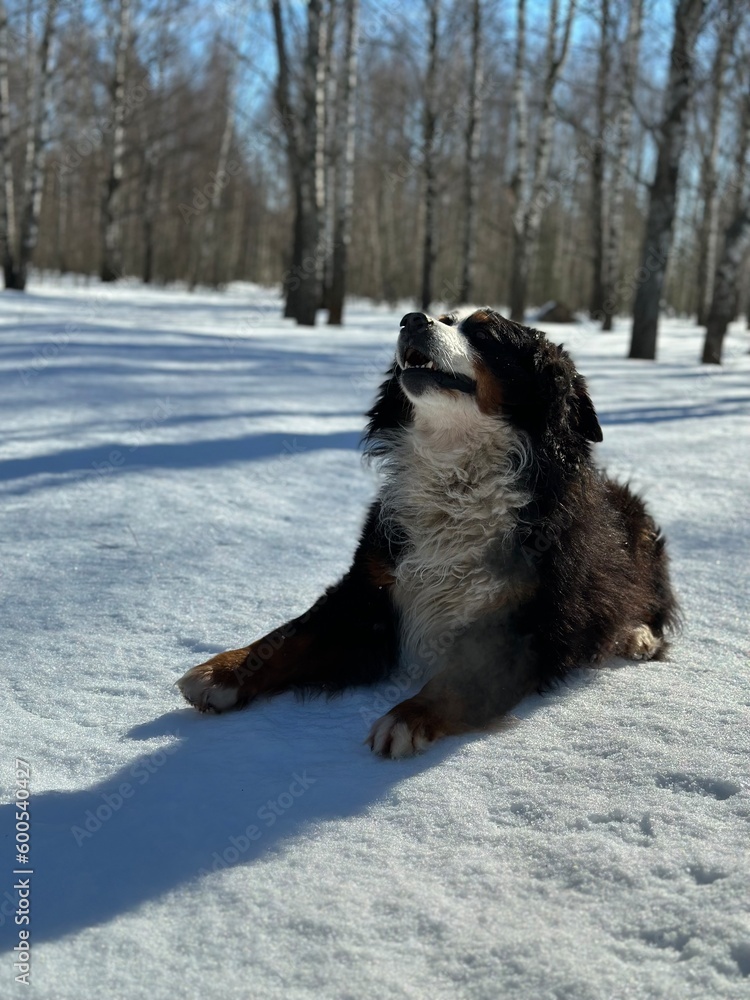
(471, 163)
(598, 208)
(35, 144)
(327, 153)
(527, 224)
(663, 193)
(429, 128)
(211, 248)
(310, 177)
(724, 302)
(111, 262)
(8, 200)
(736, 239)
(301, 279)
(623, 126)
(347, 120)
(709, 233)
(17, 258)
(519, 183)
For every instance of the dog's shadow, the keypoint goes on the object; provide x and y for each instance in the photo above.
(208, 792)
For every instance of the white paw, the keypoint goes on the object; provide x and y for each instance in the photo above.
(199, 688)
(644, 645)
(391, 737)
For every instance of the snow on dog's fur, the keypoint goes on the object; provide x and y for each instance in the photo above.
(497, 557)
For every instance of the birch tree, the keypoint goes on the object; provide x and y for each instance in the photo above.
(211, 249)
(598, 162)
(20, 237)
(111, 211)
(663, 192)
(709, 235)
(344, 187)
(429, 155)
(301, 133)
(529, 182)
(471, 163)
(623, 139)
(736, 241)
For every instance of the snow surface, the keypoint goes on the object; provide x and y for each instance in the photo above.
(179, 473)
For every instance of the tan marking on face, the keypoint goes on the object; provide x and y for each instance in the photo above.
(489, 390)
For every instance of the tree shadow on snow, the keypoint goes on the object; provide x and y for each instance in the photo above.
(116, 458)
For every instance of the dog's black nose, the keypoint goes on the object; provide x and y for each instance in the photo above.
(416, 323)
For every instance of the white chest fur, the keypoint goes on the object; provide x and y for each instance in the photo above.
(454, 500)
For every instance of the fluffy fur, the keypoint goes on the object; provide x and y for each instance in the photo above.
(497, 557)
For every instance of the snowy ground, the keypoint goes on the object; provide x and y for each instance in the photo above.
(178, 473)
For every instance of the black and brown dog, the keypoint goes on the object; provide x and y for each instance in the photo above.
(497, 557)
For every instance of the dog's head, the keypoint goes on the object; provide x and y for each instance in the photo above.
(449, 370)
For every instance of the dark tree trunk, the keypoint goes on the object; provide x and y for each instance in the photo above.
(471, 165)
(16, 259)
(724, 302)
(345, 173)
(709, 237)
(727, 284)
(615, 229)
(429, 128)
(598, 208)
(301, 281)
(663, 193)
(111, 265)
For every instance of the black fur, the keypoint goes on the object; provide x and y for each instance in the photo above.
(585, 554)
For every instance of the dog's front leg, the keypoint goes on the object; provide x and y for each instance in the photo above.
(348, 637)
(487, 669)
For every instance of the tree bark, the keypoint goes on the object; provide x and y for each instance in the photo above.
(471, 163)
(301, 279)
(663, 192)
(211, 248)
(709, 241)
(347, 120)
(112, 262)
(598, 200)
(527, 218)
(17, 258)
(8, 200)
(736, 239)
(624, 129)
(429, 129)
(724, 301)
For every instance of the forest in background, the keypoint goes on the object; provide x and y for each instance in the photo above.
(591, 152)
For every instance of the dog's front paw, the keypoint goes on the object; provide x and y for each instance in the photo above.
(406, 730)
(216, 685)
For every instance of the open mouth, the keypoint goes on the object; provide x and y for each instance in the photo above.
(418, 370)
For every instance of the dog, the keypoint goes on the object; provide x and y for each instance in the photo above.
(496, 558)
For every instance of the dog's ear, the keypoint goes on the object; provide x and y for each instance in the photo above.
(391, 411)
(584, 418)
